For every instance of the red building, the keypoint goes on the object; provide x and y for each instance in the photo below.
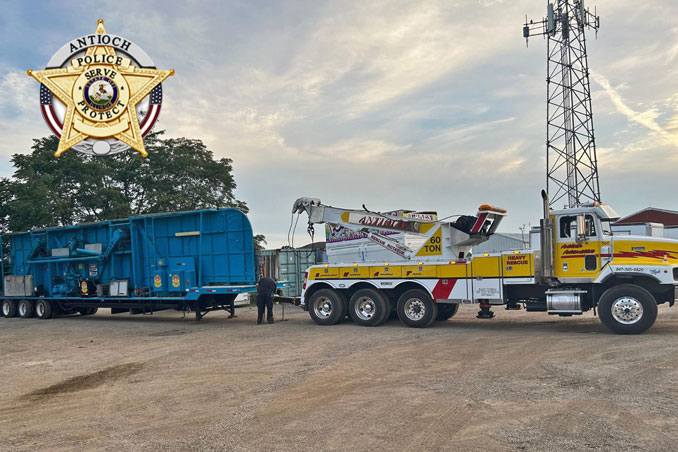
(651, 215)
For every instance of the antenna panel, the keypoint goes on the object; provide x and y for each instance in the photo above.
(550, 19)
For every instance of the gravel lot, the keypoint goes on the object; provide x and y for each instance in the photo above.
(521, 381)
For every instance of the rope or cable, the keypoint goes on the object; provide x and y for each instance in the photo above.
(450, 216)
(295, 229)
(289, 231)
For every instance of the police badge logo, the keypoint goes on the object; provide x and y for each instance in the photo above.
(100, 94)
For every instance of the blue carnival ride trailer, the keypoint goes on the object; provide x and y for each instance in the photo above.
(198, 261)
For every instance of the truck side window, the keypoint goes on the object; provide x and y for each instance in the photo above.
(590, 226)
(566, 224)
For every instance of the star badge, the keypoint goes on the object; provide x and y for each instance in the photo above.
(101, 90)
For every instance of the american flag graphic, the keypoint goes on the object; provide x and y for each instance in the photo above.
(154, 110)
(48, 111)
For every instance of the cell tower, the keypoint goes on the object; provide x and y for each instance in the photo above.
(571, 163)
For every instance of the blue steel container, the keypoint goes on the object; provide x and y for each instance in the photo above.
(182, 255)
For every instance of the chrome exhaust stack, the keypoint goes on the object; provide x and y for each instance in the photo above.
(546, 242)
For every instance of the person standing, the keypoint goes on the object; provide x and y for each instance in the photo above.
(265, 291)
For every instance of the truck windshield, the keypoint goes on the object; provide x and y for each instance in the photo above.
(606, 227)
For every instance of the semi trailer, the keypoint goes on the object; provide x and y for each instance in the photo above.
(428, 269)
(196, 261)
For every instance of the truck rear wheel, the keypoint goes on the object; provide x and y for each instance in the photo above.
(368, 307)
(9, 308)
(327, 307)
(26, 309)
(446, 311)
(417, 309)
(627, 309)
(43, 309)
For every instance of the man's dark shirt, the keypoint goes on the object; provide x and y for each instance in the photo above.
(266, 286)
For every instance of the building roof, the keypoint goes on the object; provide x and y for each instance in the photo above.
(651, 215)
(514, 235)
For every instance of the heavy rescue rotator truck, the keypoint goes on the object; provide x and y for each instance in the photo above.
(579, 266)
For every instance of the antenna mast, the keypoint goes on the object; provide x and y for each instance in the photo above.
(571, 162)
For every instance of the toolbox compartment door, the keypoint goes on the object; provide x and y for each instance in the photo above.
(486, 278)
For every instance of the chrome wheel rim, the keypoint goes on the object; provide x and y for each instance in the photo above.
(322, 307)
(22, 309)
(365, 308)
(5, 309)
(415, 309)
(40, 309)
(627, 310)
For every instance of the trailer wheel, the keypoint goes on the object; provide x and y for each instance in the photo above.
(627, 309)
(26, 309)
(88, 311)
(43, 309)
(327, 307)
(417, 309)
(9, 308)
(446, 311)
(368, 307)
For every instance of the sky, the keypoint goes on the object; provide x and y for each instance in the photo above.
(422, 105)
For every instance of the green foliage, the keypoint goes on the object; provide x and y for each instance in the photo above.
(259, 242)
(179, 174)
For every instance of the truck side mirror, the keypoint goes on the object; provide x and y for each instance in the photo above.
(581, 228)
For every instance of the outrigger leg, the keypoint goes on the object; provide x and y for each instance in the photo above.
(485, 312)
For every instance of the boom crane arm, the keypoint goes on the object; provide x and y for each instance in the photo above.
(459, 237)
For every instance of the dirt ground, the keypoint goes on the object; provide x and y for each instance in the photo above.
(521, 381)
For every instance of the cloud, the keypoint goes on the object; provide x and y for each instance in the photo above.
(20, 115)
(360, 151)
(19, 93)
(645, 118)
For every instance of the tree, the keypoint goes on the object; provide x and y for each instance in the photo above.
(179, 174)
(259, 242)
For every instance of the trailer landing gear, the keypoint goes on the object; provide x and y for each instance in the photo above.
(485, 312)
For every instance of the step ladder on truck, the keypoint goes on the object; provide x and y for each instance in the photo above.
(579, 266)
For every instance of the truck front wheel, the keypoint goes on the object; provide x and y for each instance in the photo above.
(417, 309)
(327, 307)
(627, 309)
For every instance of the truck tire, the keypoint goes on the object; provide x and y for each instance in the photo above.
(9, 308)
(368, 307)
(327, 307)
(43, 309)
(446, 311)
(417, 309)
(88, 311)
(26, 309)
(627, 309)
